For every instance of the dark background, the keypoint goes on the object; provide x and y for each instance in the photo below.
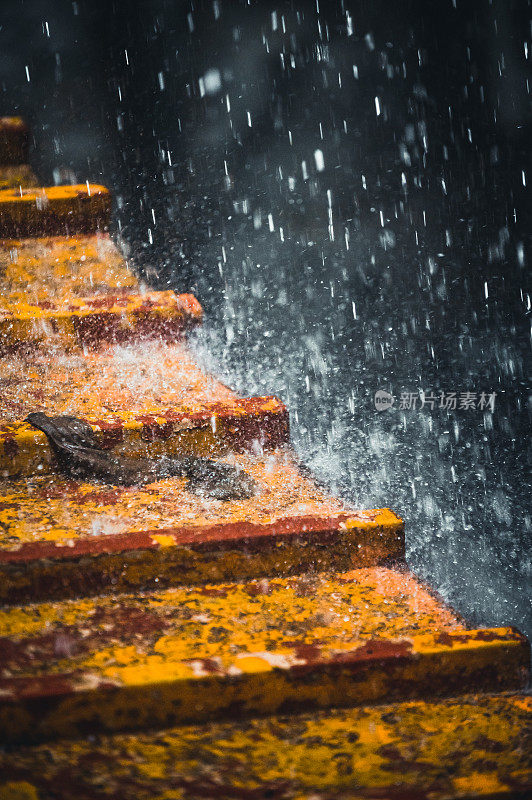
(205, 119)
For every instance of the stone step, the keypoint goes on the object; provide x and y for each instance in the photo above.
(69, 292)
(278, 645)
(61, 538)
(144, 400)
(60, 268)
(472, 747)
(54, 210)
(89, 322)
(206, 428)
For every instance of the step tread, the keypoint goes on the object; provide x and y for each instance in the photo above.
(472, 747)
(60, 268)
(226, 649)
(125, 381)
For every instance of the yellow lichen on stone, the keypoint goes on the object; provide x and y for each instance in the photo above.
(199, 652)
(51, 508)
(468, 747)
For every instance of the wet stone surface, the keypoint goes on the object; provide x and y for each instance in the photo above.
(475, 747)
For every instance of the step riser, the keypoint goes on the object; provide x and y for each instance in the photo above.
(167, 319)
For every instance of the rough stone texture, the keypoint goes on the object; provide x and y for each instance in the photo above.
(62, 537)
(478, 746)
(231, 649)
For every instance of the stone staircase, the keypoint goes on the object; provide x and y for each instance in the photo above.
(158, 643)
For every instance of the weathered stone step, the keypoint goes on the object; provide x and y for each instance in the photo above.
(74, 291)
(93, 321)
(41, 269)
(61, 538)
(54, 210)
(147, 400)
(201, 429)
(230, 649)
(474, 747)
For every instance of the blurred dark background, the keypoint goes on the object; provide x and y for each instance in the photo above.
(345, 187)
